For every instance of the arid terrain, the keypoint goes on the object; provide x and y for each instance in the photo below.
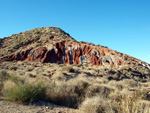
(46, 70)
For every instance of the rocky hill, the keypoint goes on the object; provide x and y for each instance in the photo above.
(53, 45)
(47, 65)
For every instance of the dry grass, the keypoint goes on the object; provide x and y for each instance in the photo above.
(68, 93)
(96, 105)
(25, 40)
(61, 94)
(99, 90)
(3, 75)
(59, 76)
(68, 68)
(128, 102)
(8, 85)
(87, 89)
(118, 103)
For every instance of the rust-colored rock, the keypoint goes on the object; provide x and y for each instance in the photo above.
(68, 52)
(53, 45)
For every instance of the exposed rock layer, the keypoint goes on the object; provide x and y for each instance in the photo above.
(51, 44)
(67, 52)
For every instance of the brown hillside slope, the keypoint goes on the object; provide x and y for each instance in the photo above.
(51, 44)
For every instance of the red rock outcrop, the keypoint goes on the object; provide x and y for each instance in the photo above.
(67, 52)
(51, 44)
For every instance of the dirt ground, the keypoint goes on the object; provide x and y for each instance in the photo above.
(38, 107)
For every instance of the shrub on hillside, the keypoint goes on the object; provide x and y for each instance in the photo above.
(68, 69)
(24, 93)
(67, 93)
(9, 76)
(130, 103)
(62, 95)
(8, 85)
(3, 75)
(96, 105)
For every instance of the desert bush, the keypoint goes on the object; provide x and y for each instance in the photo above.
(67, 93)
(130, 82)
(68, 69)
(62, 95)
(24, 93)
(96, 105)
(15, 79)
(79, 65)
(144, 108)
(44, 80)
(30, 69)
(9, 76)
(60, 76)
(14, 68)
(1, 86)
(129, 103)
(125, 83)
(37, 32)
(98, 90)
(3, 75)
(8, 85)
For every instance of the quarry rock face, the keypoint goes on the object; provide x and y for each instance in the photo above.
(67, 52)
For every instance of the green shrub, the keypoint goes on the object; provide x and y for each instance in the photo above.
(24, 93)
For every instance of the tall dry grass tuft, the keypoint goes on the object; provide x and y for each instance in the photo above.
(62, 95)
(8, 85)
(129, 103)
(9, 76)
(96, 105)
(67, 93)
(99, 90)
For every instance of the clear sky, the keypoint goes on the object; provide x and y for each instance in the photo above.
(122, 25)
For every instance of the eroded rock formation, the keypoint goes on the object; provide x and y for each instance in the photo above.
(51, 44)
(67, 52)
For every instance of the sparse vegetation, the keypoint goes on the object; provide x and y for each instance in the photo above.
(16, 42)
(90, 93)
(130, 103)
(14, 89)
(119, 85)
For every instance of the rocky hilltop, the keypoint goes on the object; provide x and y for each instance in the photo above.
(53, 45)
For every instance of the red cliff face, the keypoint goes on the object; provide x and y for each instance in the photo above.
(67, 52)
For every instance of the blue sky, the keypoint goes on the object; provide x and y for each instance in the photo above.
(122, 25)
